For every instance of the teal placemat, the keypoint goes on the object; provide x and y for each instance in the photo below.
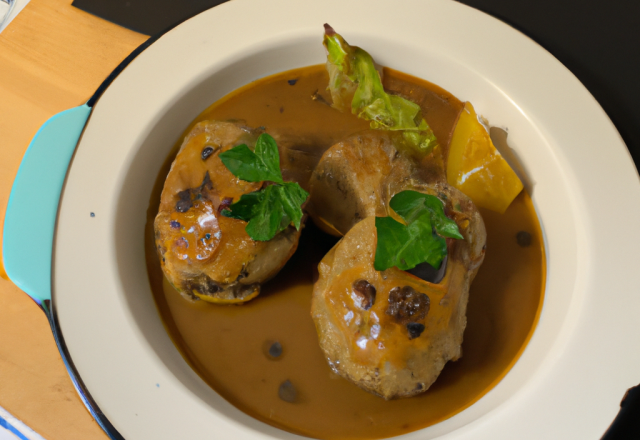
(13, 429)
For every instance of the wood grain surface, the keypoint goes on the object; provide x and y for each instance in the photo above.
(52, 57)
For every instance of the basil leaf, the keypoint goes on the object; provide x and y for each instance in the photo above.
(243, 208)
(392, 237)
(258, 166)
(421, 239)
(406, 246)
(293, 196)
(273, 208)
(427, 246)
(267, 216)
(267, 151)
(411, 204)
(408, 204)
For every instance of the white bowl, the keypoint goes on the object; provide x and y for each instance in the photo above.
(583, 354)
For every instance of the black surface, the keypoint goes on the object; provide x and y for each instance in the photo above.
(146, 16)
(124, 63)
(598, 40)
(627, 423)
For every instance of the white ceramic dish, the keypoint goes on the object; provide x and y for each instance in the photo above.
(581, 359)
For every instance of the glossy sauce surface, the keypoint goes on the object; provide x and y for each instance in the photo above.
(229, 345)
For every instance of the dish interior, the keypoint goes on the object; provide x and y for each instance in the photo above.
(227, 345)
(124, 349)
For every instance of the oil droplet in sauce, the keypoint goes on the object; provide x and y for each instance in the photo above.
(226, 344)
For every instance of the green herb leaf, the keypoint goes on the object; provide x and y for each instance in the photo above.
(263, 164)
(292, 197)
(243, 208)
(273, 208)
(411, 204)
(421, 239)
(270, 210)
(267, 216)
(353, 77)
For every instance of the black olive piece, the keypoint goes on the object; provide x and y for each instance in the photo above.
(174, 224)
(183, 205)
(185, 195)
(211, 286)
(365, 292)
(204, 286)
(523, 238)
(292, 82)
(407, 305)
(206, 182)
(275, 350)
(415, 329)
(287, 391)
(430, 274)
(206, 152)
(188, 287)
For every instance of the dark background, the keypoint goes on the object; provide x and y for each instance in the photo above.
(598, 40)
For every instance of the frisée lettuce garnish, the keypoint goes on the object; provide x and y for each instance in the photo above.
(353, 78)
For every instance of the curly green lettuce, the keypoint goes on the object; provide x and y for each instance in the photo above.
(353, 77)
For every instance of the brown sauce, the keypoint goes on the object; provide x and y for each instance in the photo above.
(228, 345)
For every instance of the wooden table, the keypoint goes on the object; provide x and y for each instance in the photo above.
(52, 57)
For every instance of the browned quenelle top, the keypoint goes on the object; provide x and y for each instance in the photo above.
(229, 345)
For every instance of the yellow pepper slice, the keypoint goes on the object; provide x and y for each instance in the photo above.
(476, 167)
